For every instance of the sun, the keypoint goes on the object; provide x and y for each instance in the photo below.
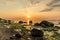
(28, 16)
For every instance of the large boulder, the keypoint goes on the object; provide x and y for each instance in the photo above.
(17, 36)
(20, 22)
(36, 33)
(46, 24)
(36, 24)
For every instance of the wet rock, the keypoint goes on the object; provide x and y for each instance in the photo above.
(36, 33)
(17, 36)
(36, 24)
(46, 24)
(11, 38)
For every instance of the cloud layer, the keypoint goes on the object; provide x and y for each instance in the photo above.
(34, 7)
(39, 5)
(52, 5)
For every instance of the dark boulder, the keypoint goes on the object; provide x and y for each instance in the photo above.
(36, 33)
(36, 24)
(17, 36)
(20, 22)
(46, 24)
(11, 38)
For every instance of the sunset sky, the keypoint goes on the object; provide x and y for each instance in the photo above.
(36, 9)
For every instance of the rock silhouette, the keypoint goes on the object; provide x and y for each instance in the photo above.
(37, 34)
(17, 36)
(46, 24)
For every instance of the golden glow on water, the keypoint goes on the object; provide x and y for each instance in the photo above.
(28, 19)
(28, 22)
(28, 27)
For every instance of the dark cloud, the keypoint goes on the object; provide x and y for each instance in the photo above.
(56, 6)
(35, 1)
(52, 5)
(46, 10)
(10, 0)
